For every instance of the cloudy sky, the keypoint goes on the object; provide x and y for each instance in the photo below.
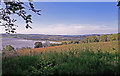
(72, 18)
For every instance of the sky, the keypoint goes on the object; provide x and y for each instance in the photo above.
(71, 18)
(69, 0)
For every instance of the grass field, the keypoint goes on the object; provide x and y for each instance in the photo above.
(89, 58)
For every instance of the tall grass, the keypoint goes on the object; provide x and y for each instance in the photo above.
(74, 59)
(110, 47)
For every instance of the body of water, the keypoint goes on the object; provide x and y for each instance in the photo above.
(19, 43)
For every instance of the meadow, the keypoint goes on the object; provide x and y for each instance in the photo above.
(74, 59)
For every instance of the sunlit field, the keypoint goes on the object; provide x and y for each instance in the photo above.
(87, 58)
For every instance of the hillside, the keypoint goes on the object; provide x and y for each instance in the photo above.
(103, 46)
(46, 37)
(73, 59)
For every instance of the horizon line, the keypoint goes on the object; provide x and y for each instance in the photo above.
(59, 34)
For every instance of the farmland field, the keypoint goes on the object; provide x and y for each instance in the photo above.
(86, 58)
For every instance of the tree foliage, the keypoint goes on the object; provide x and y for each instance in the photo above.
(91, 39)
(101, 38)
(38, 45)
(118, 3)
(64, 42)
(9, 48)
(16, 8)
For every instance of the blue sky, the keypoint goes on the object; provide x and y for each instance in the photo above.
(72, 18)
(71, 0)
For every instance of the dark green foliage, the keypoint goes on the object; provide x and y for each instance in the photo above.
(9, 48)
(101, 38)
(38, 44)
(19, 65)
(91, 39)
(118, 3)
(16, 8)
(69, 63)
(64, 42)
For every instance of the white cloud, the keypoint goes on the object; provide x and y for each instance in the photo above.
(73, 29)
(2, 29)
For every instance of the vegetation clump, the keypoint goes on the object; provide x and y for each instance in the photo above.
(68, 63)
(9, 48)
(38, 44)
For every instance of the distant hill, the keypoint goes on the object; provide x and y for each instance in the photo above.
(47, 37)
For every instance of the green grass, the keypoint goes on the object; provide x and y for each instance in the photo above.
(69, 63)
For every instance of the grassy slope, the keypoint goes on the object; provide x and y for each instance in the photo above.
(103, 46)
(93, 58)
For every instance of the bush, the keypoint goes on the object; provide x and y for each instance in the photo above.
(64, 42)
(38, 44)
(75, 42)
(9, 48)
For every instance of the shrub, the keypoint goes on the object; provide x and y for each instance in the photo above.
(76, 42)
(38, 44)
(64, 42)
(9, 48)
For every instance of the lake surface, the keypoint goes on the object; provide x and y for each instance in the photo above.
(19, 43)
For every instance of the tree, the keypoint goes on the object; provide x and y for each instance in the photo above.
(64, 42)
(91, 39)
(38, 44)
(16, 7)
(118, 3)
(9, 48)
